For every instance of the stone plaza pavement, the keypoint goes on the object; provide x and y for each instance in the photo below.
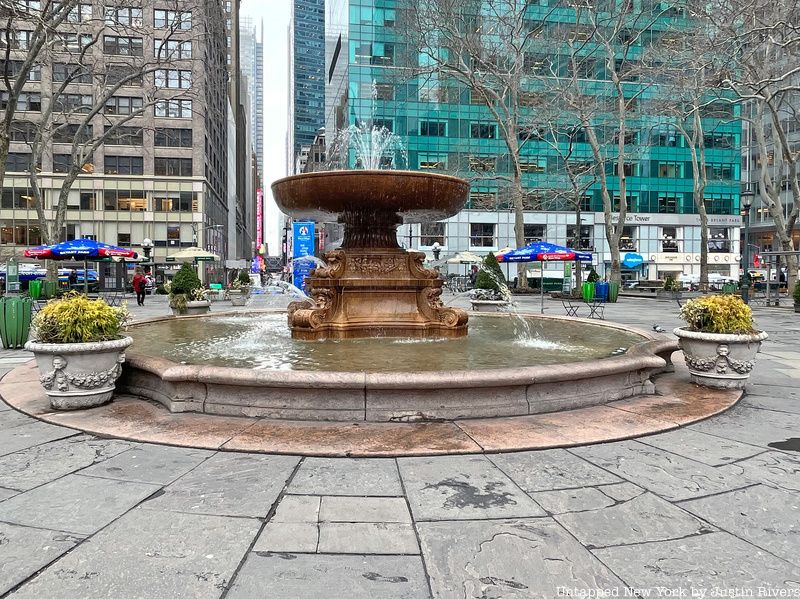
(708, 509)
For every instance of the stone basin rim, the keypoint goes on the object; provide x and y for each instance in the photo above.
(649, 354)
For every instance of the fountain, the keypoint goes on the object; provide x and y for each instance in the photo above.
(371, 287)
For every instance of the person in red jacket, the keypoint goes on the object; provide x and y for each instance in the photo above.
(139, 283)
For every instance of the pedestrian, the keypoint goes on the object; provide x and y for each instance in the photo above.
(139, 285)
(73, 279)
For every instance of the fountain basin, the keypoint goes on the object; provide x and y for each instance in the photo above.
(399, 396)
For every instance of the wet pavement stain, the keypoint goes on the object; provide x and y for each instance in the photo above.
(467, 495)
(791, 444)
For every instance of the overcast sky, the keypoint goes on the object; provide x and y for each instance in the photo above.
(275, 15)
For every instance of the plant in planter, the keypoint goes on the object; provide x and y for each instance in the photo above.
(796, 296)
(239, 290)
(79, 349)
(491, 292)
(186, 293)
(719, 342)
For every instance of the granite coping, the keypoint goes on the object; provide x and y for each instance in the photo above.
(677, 402)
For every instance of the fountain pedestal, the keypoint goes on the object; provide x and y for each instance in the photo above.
(374, 293)
(371, 287)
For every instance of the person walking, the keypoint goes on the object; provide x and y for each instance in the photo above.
(139, 284)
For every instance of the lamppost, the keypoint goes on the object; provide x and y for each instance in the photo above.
(147, 247)
(746, 201)
(195, 230)
(436, 249)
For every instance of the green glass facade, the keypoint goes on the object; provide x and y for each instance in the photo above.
(446, 130)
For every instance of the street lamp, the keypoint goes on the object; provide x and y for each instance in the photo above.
(436, 249)
(195, 230)
(147, 247)
(745, 202)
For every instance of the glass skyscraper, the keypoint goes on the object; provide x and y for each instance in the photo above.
(445, 129)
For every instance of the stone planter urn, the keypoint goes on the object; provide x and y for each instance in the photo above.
(237, 297)
(79, 375)
(720, 361)
(194, 308)
(480, 305)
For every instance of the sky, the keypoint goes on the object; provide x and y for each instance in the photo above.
(275, 15)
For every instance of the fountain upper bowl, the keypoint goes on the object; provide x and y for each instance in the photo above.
(414, 196)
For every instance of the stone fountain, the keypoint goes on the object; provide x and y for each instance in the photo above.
(370, 286)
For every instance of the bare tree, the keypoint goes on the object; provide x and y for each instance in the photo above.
(764, 40)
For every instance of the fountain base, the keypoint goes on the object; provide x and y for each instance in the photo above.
(374, 292)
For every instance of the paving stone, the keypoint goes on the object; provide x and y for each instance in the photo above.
(572, 500)
(336, 476)
(374, 538)
(4, 407)
(765, 397)
(621, 491)
(331, 576)
(773, 468)
(750, 425)
(146, 463)
(462, 488)
(6, 493)
(701, 447)
(150, 554)
(11, 418)
(766, 517)
(643, 518)
(28, 435)
(34, 466)
(297, 508)
(671, 476)
(364, 509)
(76, 504)
(232, 484)
(288, 537)
(508, 559)
(550, 470)
(711, 562)
(24, 551)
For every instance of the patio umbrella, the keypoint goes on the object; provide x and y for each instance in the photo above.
(465, 258)
(193, 254)
(541, 251)
(80, 249)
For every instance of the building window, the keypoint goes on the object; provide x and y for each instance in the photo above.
(481, 234)
(176, 109)
(387, 124)
(124, 165)
(483, 200)
(87, 200)
(123, 239)
(175, 202)
(667, 204)
(173, 78)
(116, 15)
(62, 163)
(433, 128)
(123, 46)
(72, 42)
(173, 235)
(719, 203)
(627, 241)
(123, 105)
(718, 241)
(669, 240)
(483, 130)
(26, 102)
(173, 138)
(535, 165)
(671, 170)
(71, 73)
(124, 136)
(723, 141)
(172, 49)
(173, 19)
(430, 233)
(582, 241)
(173, 167)
(73, 103)
(435, 162)
(19, 40)
(721, 172)
(12, 68)
(67, 133)
(118, 74)
(79, 13)
(127, 201)
(667, 137)
(23, 131)
(481, 164)
(18, 162)
(533, 233)
(631, 169)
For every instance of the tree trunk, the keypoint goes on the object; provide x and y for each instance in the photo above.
(518, 196)
(578, 272)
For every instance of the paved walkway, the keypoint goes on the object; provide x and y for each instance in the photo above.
(711, 507)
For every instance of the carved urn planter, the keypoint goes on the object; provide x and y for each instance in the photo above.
(79, 375)
(238, 297)
(193, 308)
(484, 305)
(720, 361)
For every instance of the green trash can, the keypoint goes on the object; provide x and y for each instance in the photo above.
(613, 292)
(587, 292)
(35, 289)
(49, 288)
(15, 321)
(729, 288)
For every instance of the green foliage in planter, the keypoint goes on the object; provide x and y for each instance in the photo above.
(78, 319)
(185, 281)
(243, 278)
(592, 277)
(490, 276)
(725, 314)
(670, 284)
(796, 294)
(161, 290)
